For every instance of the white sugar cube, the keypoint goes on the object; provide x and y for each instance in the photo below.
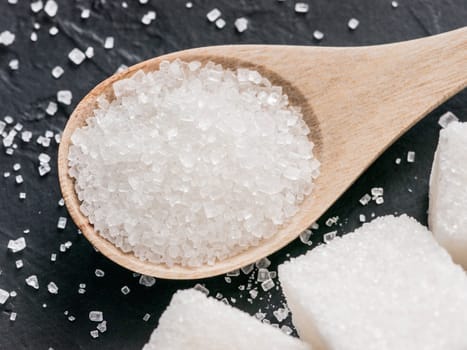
(76, 56)
(388, 285)
(448, 192)
(194, 321)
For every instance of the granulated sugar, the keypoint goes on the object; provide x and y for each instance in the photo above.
(192, 164)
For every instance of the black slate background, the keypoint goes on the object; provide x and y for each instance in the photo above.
(24, 94)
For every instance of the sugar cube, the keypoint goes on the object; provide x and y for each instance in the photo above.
(448, 192)
(194, 321)
(388, 285)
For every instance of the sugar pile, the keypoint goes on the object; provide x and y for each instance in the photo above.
(191, 164)
(448, 192)
(194, 321)
(388, 285)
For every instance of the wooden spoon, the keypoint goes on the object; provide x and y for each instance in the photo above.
(356, 100)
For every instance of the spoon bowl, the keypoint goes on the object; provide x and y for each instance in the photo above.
(356, 101)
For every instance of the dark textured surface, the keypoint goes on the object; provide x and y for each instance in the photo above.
(24, 94)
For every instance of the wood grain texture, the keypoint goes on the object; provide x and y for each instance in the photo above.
(356, 100)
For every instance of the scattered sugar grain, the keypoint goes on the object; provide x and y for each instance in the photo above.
(328, 237)
(51, 109)
(52, 288)
(318, 35)
(146, 317)
(148, 17)
(37, 6)
(53, 257)
(85, 13)
(99, 273)
(241, 24)
(61, 224)
(32, 281)
(410, 157)
(147, 281)
(64, 96)
(89, 52)
(33, 37)
(51, 8)
(353, 23)
(213, 15)
(447, 118)
(53, 31)
(4, 295)
(398, 161)
(365, 199)
(7, 38)
(102, 327)
(19, 264)
(94, 333)
(57, 72)
(14, 64)
(189, 5)
(13, 316)
(109, 43)
(302, 7)
(125, 290)
(96, 316)
(220, 23)
(76, 56)
(17, 245)
(394, 4)
(267, 285)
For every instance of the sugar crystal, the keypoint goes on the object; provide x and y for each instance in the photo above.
(220, 23)
(32, 281)
(64, 96)
(53, 31)
(13, 316)
(146, 317)
(353, 23)
(96, 316)
(318, 35)
(52, 288)
(125, 290)
(85, 13)
(267, 285)
(76, 56)
(57, 72)
(102, 327)
(148, 17)
(61, 224)
(51, 8)
(301, 7)
(410, 157)
(447, 118)
(13, 64)
(7, 38)
(37, 6)
(19, 263)
(109, 43)
(17, 245)
(213, 15)
(4, 295)
(147, 281)
(241, 24)
(94, 334)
